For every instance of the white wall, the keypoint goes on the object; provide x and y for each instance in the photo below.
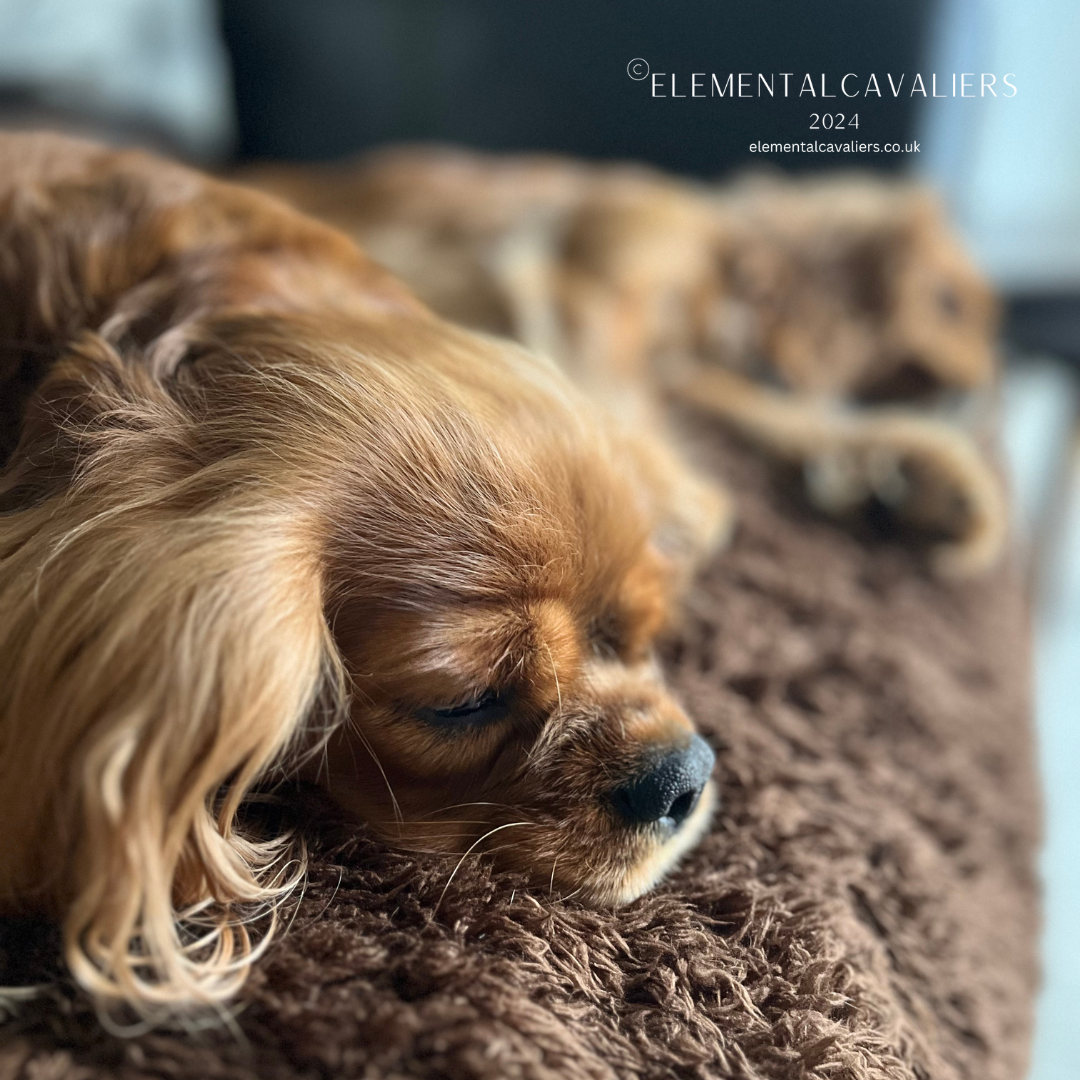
(160, 62)
(1011, 167)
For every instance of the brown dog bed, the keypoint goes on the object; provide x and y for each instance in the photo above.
(864, 907)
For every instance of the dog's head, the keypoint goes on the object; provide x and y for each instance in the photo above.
(498, 570)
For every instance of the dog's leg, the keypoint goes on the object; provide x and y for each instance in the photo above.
(803, 431)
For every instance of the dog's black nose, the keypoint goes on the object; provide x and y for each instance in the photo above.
(668, 788)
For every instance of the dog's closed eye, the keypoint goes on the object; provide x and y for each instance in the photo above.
(606, 636)
(486, 707)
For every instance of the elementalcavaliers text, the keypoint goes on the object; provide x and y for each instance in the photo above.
(744, 84)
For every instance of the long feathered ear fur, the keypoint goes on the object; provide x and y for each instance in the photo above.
(163, 643)
(162, 637)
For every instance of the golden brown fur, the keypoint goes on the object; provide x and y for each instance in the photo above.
(263, 513)
(846, 297)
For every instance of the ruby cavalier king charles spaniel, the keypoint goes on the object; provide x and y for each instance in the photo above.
(264, 515)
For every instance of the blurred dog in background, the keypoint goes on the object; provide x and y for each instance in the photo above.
(836, 321)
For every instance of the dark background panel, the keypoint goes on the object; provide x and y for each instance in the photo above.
(325, 78)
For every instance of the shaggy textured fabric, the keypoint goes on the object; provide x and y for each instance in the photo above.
(864, 907)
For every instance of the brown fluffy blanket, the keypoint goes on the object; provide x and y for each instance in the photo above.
(864, 907)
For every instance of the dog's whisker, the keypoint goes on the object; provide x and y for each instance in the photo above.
(398, 816)
(472, 847)
(452, 842)
(435, 821)
(458, 806)
(555, 673)
(423, 851)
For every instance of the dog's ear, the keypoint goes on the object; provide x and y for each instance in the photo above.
(162, 645)
(137, 248)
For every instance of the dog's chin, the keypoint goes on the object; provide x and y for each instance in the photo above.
(657, 861)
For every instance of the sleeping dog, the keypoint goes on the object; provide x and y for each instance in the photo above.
(263, 513)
